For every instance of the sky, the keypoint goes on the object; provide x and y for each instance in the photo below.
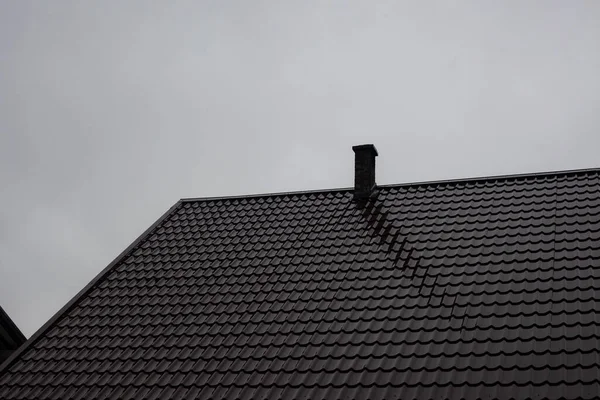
(111, 111)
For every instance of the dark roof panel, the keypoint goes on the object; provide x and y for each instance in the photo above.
(471, 289)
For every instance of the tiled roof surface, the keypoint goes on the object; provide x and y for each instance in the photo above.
(470, 289)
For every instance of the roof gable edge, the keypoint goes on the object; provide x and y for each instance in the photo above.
(56, 317)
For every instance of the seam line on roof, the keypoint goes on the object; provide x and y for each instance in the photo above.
(396, 185)
(91, 285)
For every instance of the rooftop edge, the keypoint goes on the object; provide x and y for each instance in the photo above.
(394, 185)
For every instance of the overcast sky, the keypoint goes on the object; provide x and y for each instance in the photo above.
(110, 111)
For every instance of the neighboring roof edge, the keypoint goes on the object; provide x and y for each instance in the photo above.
(14, 329)
(395, 185)
(56, 317)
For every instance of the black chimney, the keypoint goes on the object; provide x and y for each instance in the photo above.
(364, 170)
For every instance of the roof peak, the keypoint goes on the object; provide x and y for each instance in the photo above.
(404, 184)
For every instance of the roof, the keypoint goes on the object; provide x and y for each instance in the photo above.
(10, 336)
(484, 288)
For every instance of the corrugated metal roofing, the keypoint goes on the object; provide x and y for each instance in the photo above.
(470, 289)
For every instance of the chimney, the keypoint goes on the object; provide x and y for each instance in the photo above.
(364, 170)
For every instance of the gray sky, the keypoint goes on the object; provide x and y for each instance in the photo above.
(110, 111)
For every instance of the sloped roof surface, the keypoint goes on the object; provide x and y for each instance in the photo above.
(469, 289)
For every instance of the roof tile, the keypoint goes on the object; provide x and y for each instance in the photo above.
(465, 289)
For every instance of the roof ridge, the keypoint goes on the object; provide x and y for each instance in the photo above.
(497, 177)
(395, 185)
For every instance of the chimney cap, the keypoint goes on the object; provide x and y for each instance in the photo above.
(365, 147)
